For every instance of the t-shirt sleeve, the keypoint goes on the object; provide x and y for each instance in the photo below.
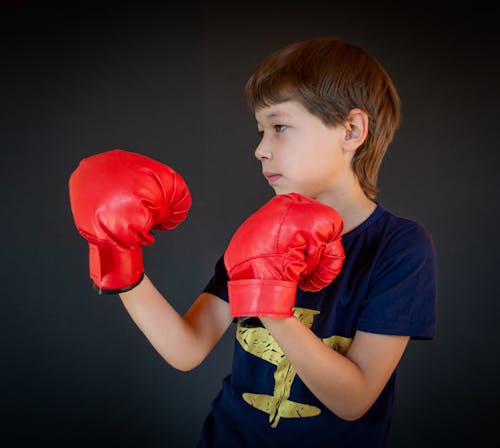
(402, 293)
(217, 285)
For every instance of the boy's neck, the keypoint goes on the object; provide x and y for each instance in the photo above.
(354, 207)
(356, 213)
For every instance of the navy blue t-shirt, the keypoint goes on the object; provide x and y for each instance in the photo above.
(387, 285)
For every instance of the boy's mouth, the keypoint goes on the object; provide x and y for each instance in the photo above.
(272, 177)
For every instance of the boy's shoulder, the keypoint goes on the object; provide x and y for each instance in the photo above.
(385, 223)
(404, 239)
(403, 227)
(388, 234)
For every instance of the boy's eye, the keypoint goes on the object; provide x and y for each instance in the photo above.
(278, 128)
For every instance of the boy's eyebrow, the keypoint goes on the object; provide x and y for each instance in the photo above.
(274, 114)
(278, 113)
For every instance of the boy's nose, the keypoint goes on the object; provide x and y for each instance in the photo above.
(262, 152)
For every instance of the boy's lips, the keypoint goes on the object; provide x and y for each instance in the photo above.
(272, 177)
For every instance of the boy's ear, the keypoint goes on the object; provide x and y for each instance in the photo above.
(356, 127)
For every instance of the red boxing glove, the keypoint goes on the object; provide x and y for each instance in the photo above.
(117, 198)
(291, 241)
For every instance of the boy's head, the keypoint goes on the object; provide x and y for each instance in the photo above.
(329, 78)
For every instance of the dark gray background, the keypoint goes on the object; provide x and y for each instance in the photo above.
(82, 77)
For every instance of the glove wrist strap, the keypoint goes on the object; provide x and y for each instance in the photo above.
(262, 298)
(115, 270)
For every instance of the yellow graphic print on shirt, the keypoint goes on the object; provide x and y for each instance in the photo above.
(258, 342)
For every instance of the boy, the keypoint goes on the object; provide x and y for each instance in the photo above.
(318, 364)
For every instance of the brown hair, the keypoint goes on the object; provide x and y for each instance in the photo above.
(329, 78)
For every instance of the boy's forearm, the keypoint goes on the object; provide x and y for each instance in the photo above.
(163, 326)
(333, 378)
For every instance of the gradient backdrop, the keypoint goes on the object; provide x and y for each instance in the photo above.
(83, 77)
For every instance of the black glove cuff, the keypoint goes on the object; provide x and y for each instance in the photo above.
(119, 290)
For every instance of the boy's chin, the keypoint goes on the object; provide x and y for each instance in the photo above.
(282, 190)
(307, 195)
(279, 190)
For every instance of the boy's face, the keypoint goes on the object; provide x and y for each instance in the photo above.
(300, 154)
